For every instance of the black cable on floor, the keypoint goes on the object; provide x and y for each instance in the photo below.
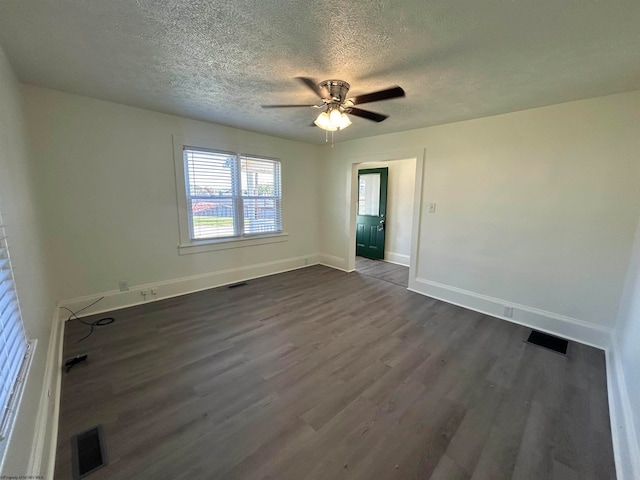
(98, 323)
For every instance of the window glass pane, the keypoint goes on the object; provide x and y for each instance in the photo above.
(369, 194)
(261, 195)
(260, 177)
(261, 215)
(211, 187)
(209, 173)
(212, 218)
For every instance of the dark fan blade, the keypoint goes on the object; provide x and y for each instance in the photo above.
(394, 92)
(312, 84)
(287, 106)
(358, 112)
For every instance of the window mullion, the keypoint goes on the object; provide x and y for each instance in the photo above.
(239, 203)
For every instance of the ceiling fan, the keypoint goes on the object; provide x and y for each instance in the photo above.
(335, 105)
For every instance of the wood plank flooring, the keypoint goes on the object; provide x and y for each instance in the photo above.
(389, 272)
(319, 374)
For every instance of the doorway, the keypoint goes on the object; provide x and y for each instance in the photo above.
(384, 204)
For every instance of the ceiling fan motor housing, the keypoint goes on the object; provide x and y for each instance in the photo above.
(337, 89)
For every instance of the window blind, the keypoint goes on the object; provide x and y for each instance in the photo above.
(261, 195)
(211, 193)
(14, 346)
(231, 195)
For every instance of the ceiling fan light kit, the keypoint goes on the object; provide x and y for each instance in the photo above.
(323, 121)
(333, 120)
(335, 104)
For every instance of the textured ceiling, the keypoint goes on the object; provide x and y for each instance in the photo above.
(219, 60)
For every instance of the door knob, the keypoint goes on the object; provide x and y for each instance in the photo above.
(381, 226)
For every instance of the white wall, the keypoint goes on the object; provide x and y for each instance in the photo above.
(107, 173)
(399, 208)
(24, 232)
(536, 209)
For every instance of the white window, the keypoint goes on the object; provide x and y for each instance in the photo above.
(230, 195)
(15, 349)
(227, 199)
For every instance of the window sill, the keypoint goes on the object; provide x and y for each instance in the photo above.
(200, 246)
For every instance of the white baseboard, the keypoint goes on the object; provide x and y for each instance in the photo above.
(626, 448)
(553, 323)
(46, 429)
(338, 263)
(115, 300)
(397, 258)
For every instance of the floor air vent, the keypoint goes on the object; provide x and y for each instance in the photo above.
(548, 341)
(89, 452)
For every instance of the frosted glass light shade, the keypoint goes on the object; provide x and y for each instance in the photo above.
(324, 122)
(332, 121)
(344, 121)
(334, 118)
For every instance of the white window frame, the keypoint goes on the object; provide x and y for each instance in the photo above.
(9, 411)
(188, 245)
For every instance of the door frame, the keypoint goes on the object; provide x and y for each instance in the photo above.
(352, 194)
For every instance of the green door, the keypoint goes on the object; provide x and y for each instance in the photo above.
(371, 214)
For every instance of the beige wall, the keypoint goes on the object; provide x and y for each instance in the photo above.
(107, 172)
(24, 231)
(536, 208)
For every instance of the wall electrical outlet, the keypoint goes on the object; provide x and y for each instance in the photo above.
(124, 285)
(508, 312)
(432, 208)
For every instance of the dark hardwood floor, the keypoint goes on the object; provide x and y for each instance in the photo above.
(389, 272)
(320, 374)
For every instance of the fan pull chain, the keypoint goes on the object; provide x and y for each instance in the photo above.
(326, 137)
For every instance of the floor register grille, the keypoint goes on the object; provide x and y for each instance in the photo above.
(89, 452)
(549, 342)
